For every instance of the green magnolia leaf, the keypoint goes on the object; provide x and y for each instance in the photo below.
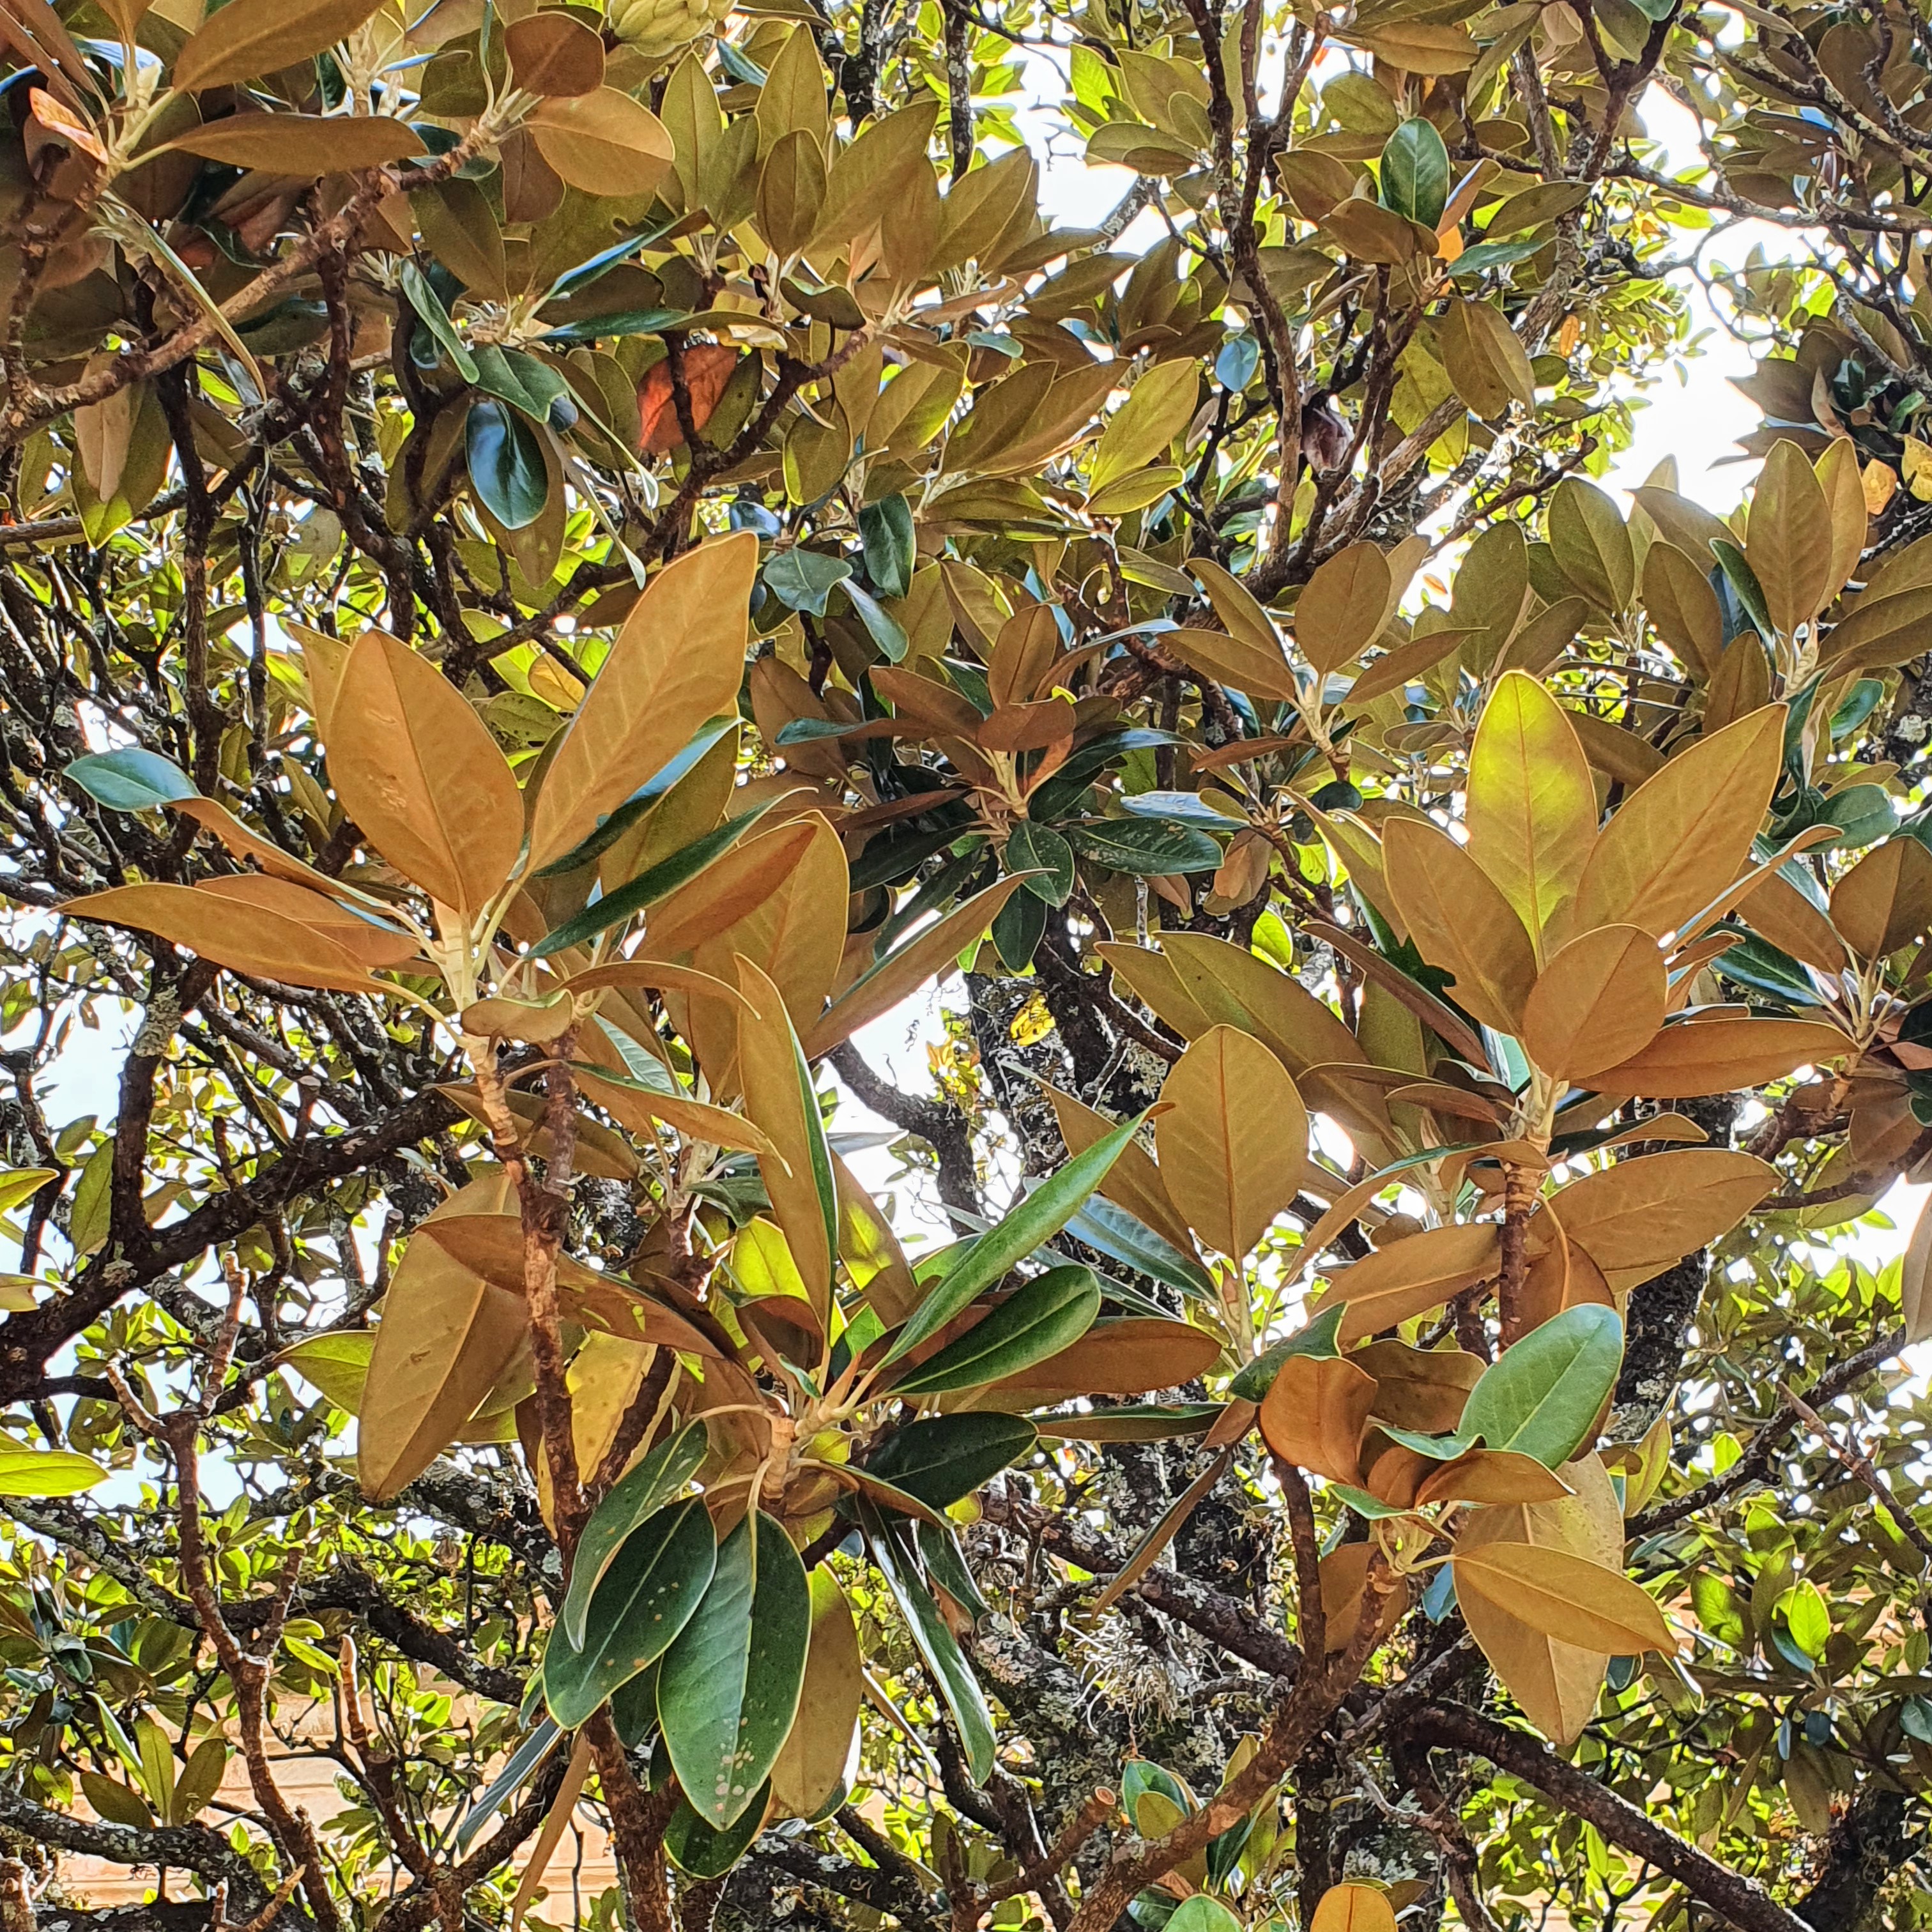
(130, 780)
(506, 464)
(886, 528)
(1041, 849)
(1201, 1913)
(1042, 1316)
(947, 1457)
(934, 1642)
(23, 1184)
(728, 1686)
(647, 1594)
(945, 1564)
(434, 317)
(1035, 1221)
(655, 882)
(1807, 1617)
(1148, 847)
(703, 1850)
(523, 1765)
(1415, 173)
(1317, 1340)
(46, 1472)
(1109, 1229)
(652, 1484)
(1541, 1396)
(802, 580)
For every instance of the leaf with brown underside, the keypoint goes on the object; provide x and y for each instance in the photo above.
(677, 662)
(1233, 1148)
(1459, 920)
(1314, 1412)
(1410, 1276)
(1599, 1000)
(419, 772)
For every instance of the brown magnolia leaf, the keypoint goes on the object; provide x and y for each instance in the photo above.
(1248, 666)
(638, 1107)
(1486, 359)
(1532, 804)
(1884, 901)
(302, 144)
(1491, 1476)
(812, 1765)
(1719, 1056)
(248, 38)
(729, 889)
(1779, 912)
(602, 142)
(1557, 1683)
(1410, 1276)
(1135, 1355)
(419, 772)
(1234, 1147)
(677, 662)
(1788, 541)
(373, 943)
(1314, 1414)
(1353, 1906)
(1563, 1275)
(260, 941)
(1639, 1216)
(930, 954)
(1459, 920)
(707, 368)
(552, 55)
(1345, 1574)
(1341, 611)
(1683, 835)
(1599, 1001)
(446, 1335)
(1681, 605)
(1586, 1604)
(1423, 1389)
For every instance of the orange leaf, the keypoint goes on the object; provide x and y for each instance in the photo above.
(707, 368)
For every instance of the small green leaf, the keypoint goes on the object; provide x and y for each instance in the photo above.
(46, 1472)
(506, 464)
(23, 1184)
(1415, 172)
(647, 1596)
(434, 317)
(701, 1850)
(802, 580)
(1807, 1618)
(132, 779)
(1542, 1396)
(1039, 849)
(652, 1484)
(887, 528)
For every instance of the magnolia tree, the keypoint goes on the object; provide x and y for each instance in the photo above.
(562, 567)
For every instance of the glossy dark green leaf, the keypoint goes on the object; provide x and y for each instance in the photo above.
(130, 780)
(885, 527)
(1134, 1422)
(658, 1477)
(507, 1782)
(1146, 847)
(1415, 172)
(647, 1595)
(946, 1565)
(881, 626)
(802, 580)
(434, 317)
(506, 464)
(935, 1643)
(655, 882)
(1487, 255)
(1040, 1318)
(704, 1851)
(1037, 1219)
(945, 1457)
(728, 1688)
(1541, 1396)
(1017, 928)
(1041, 849)
(634, 1708)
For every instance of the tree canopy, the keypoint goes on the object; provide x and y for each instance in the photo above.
(561, 567)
